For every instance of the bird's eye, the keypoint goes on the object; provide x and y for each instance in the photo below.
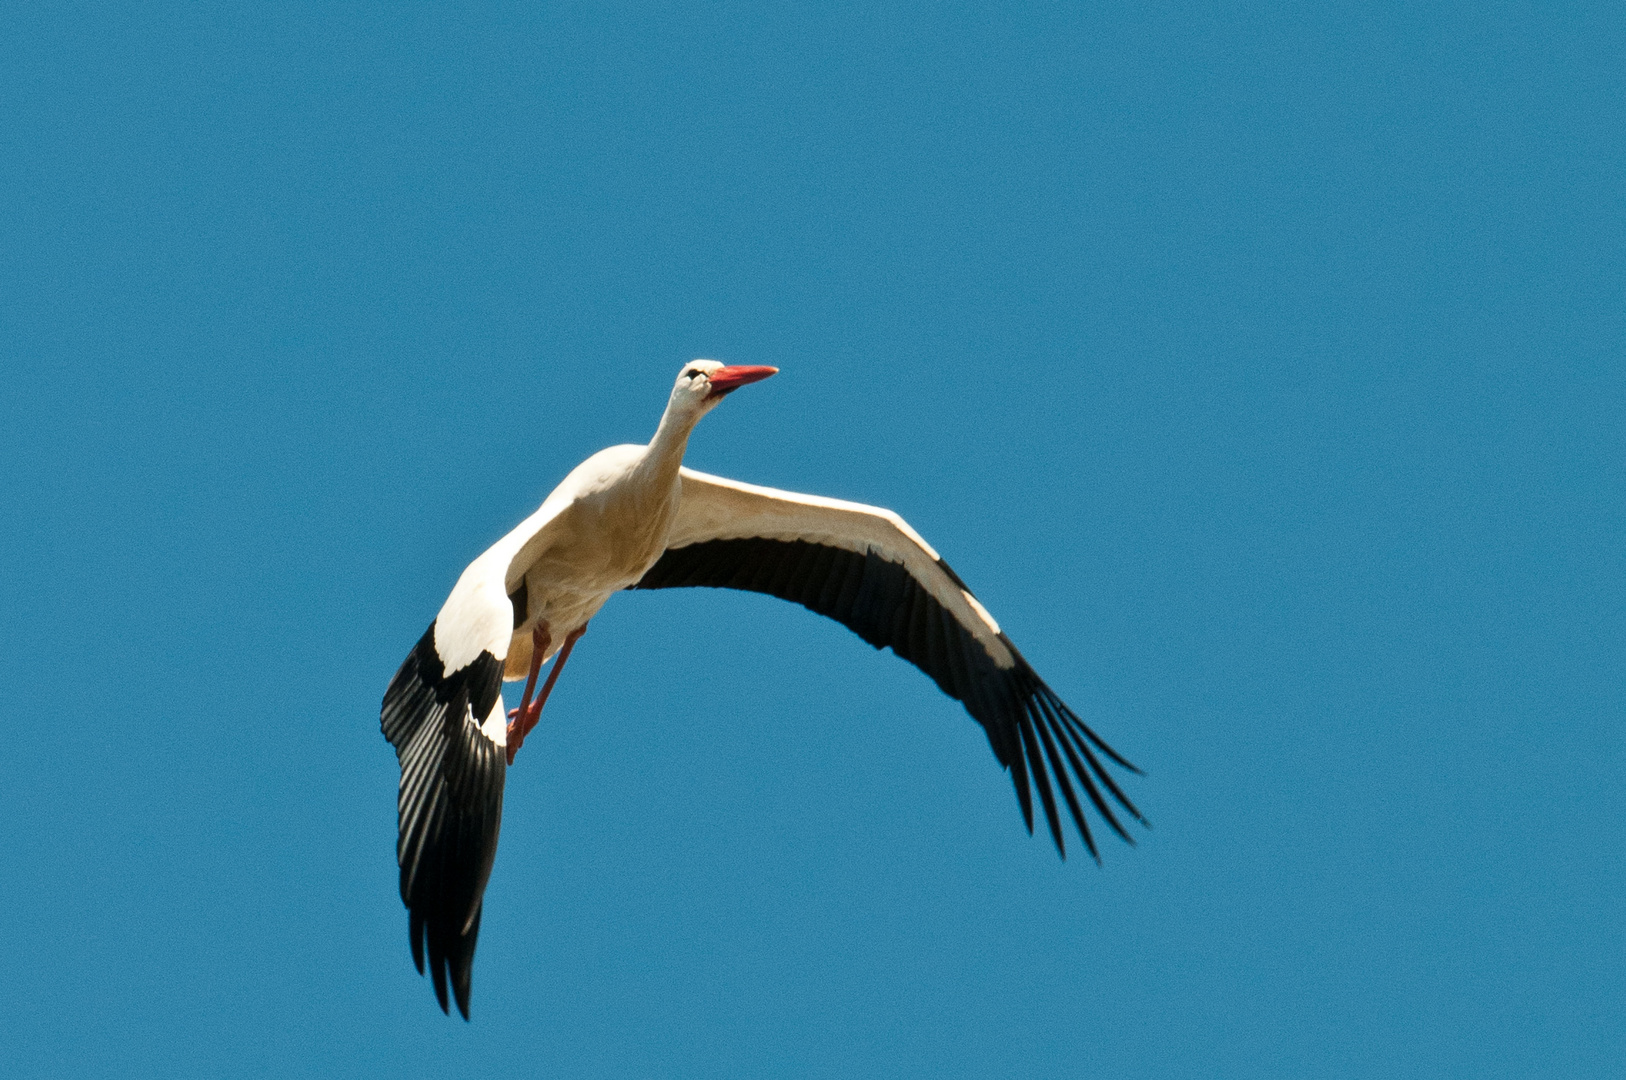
(694, 373)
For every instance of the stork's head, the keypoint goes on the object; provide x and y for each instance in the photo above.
(703, 383)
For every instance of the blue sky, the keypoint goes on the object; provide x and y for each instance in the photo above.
(1259, 366)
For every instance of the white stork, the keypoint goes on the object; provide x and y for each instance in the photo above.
(631, 517)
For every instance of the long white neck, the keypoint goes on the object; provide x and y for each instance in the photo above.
(671, 439)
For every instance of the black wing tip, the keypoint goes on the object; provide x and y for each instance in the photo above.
(1044, 730)
(1041, 780)
(1024, 798)
(1089, 733)
(415, 928)
(450, 960)
(460, 990)
(1117, 758)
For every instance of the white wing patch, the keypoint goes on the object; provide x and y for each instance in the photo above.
(495, 726)
(716, 508)
(476, 618)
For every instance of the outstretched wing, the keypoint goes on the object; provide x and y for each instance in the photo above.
(867, 569)
(443, 712)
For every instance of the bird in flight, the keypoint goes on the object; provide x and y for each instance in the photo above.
(631, 517)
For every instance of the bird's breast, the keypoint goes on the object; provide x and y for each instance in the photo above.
(597, 547)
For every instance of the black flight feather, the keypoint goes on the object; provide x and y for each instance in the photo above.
(1029, 728)
(450, 806)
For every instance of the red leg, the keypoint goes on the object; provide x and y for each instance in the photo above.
(553, 677)
(524, 718)
(540, 639)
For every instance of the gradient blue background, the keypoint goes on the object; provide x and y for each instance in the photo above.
(1259, 365)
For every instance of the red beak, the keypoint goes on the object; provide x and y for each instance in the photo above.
(728, 379)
